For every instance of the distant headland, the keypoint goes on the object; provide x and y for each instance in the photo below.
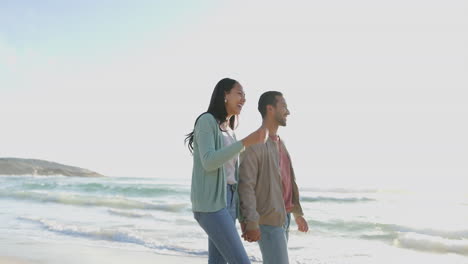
(17, 166)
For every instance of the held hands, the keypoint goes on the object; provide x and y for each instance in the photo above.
(250, 235)
(258, 136)
(302, 224)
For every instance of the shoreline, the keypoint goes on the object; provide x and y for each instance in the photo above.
(20, 251)
(14, 260)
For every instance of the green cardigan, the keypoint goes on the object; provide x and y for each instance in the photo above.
(208, 193)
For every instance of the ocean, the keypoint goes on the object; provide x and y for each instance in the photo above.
(373, 225)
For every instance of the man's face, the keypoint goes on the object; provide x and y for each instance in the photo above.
(281, 111)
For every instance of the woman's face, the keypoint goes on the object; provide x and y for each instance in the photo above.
(235, 100)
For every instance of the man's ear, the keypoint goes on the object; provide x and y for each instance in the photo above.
(269, 108)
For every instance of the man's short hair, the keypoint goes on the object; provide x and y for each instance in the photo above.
(267, 98)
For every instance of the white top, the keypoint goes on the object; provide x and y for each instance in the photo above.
(230, 165)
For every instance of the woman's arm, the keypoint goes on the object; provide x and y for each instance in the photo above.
(205, 136)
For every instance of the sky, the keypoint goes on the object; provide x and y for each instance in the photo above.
(376, 89)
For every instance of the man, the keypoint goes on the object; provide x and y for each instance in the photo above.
(267, 187)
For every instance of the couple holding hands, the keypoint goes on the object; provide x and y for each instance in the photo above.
(251, 180)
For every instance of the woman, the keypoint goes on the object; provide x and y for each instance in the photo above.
(215, 171)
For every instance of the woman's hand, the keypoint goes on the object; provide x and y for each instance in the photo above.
(258, 136)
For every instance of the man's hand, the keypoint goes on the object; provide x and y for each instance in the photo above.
(243, 227)
(251, 235)
(302, 224)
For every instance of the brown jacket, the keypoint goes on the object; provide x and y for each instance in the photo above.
(261, 188)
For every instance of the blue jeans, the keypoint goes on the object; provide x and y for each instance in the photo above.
(224, 243)
(274, 243)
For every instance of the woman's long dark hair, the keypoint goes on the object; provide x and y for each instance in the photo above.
(217, 108)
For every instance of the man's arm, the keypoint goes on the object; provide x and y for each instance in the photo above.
(297, 209)
(248, 172)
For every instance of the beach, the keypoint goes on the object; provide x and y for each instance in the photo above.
(12, 260)
(19, 251)
(56, 219)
